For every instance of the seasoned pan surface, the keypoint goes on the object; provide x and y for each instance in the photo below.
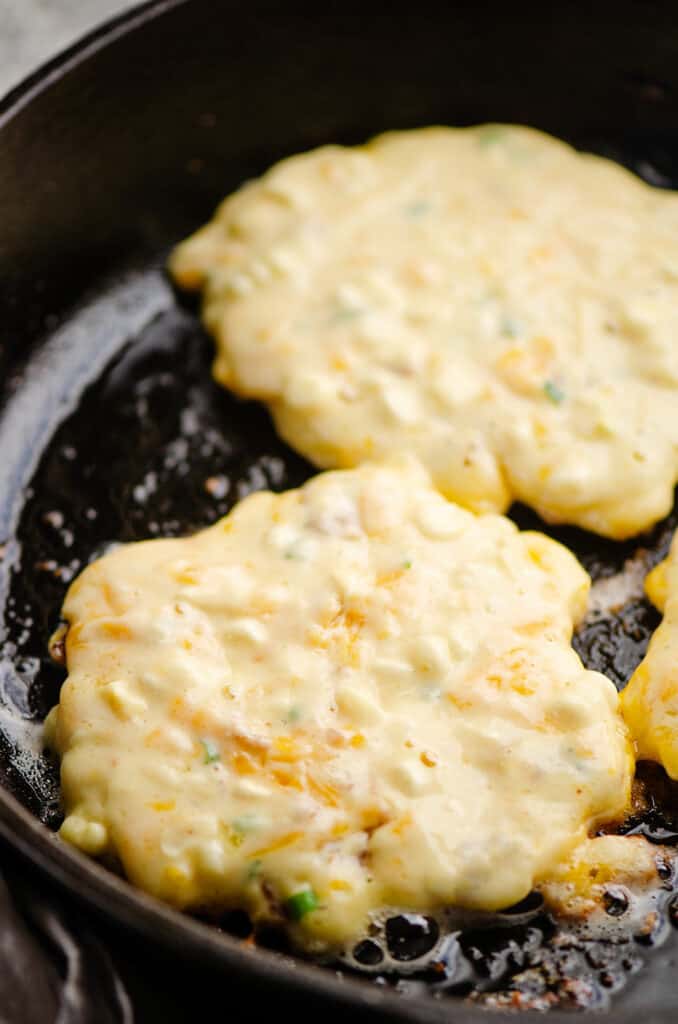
(155, 448)
(112, 430)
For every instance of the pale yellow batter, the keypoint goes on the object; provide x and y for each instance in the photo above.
(351, 696)
(650, 700)
(487, 299)
(577, 887)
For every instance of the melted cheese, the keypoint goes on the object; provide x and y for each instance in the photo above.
(650, 700)
(487, 299)
(356, 691)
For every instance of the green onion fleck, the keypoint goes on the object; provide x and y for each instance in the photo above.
(510, 328)
(246, 823)
(301, 904)
(345, 314)
(407, 564)
(431, 693)
(294, 714)
(211, 751)
(553, 392)
(489, 134)
(419, 208)
(253, 870)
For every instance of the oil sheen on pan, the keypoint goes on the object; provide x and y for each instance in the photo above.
(190, 452)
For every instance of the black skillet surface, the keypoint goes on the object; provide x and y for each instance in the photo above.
(110, 428)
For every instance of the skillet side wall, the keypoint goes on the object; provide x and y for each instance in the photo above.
(116, 158)
(134, 147)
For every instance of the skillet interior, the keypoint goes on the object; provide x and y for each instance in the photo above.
(153, 448)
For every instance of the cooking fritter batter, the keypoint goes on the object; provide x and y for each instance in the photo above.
(346, 697)
(650, 700)
(488, 299)
(578, 887)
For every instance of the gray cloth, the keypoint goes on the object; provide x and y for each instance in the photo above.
(32, 31)
(53, 970)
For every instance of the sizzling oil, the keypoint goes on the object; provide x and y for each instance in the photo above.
(154, 449)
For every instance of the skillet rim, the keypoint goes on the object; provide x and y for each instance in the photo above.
(112, 897)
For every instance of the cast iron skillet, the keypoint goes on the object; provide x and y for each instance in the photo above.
(110, 428)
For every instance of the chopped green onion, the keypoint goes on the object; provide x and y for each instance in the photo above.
(246, 823)
(345, 314)
(510, 327)
(294, 714)
(211, 751)
(418, 208)
(253, 870)
(301, 904)
(407, 564)
(553, 392)
(489, 134)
